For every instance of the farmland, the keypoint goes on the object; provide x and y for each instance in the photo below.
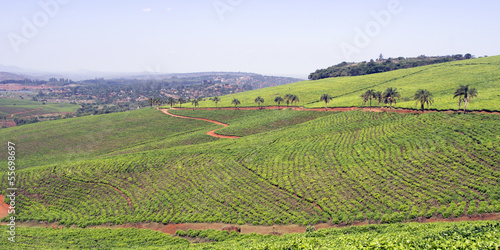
(339, 168)
(440, 79)
(68, 140)
(12, 106)
(462, 235)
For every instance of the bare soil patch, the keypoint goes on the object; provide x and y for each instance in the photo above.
(4, 207)
(247, 229)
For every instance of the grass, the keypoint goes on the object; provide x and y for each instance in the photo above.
(69, 140)
(440, 79)
(249, 122)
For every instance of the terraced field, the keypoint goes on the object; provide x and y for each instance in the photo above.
(440, 79)
(339, 168)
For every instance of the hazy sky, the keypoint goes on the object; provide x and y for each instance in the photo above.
(292, 37)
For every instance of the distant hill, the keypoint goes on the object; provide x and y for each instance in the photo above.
(256, 81)
(382, 65)
(440, 79)
(10, 76)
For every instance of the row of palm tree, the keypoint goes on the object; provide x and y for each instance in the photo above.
(389, 96)
(422, 96)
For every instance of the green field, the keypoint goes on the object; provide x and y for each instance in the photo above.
(338, 168)
(440, 79)
(463, 235)
(249, 122)
(68, 140)
(10, 106)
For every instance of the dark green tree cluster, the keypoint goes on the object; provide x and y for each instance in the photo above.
(381, 65)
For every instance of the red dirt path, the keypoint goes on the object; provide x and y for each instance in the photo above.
(246, 229)
(345, 109)
(4, 207)
(211, 133)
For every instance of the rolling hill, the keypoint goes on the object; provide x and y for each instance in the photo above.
(440, 79)
(288, 168)
(339, 168)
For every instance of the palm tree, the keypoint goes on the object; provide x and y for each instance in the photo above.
(171, 101)
(158, 102)
(288, 98)
(236, 102)
(390, 96)
(326, 98)
(378, 96)
(195, 102)
(424, 97)
(181, 101)
(259, 100)
(295, 99)
(465, 94)
(215, 99)
(279, 100)
(368, 95)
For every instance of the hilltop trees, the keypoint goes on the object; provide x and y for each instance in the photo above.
(259, 100)
(464, 94)
(215, 99)
(390, 96)
(236, 102)
(325, 98)
(424, 97)
(278, 100)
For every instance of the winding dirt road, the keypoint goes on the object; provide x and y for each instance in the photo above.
(211, 133)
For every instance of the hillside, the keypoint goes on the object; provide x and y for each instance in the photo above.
(440, 79)
(339, 168)
(382, 65)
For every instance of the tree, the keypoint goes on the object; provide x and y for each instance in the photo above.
(171, 101)
(288, 98)
(378, 96)
(424, 97)
(195, 102)
(279, 100)
(294, 99)
(368, 95)
(464, 94)
(181, 101)
(325, 98)
(151, 101)
(390, 96)
(236, 102)
(259, 100)
(215, 99)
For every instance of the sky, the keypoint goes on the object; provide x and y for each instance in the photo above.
(272, 37)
